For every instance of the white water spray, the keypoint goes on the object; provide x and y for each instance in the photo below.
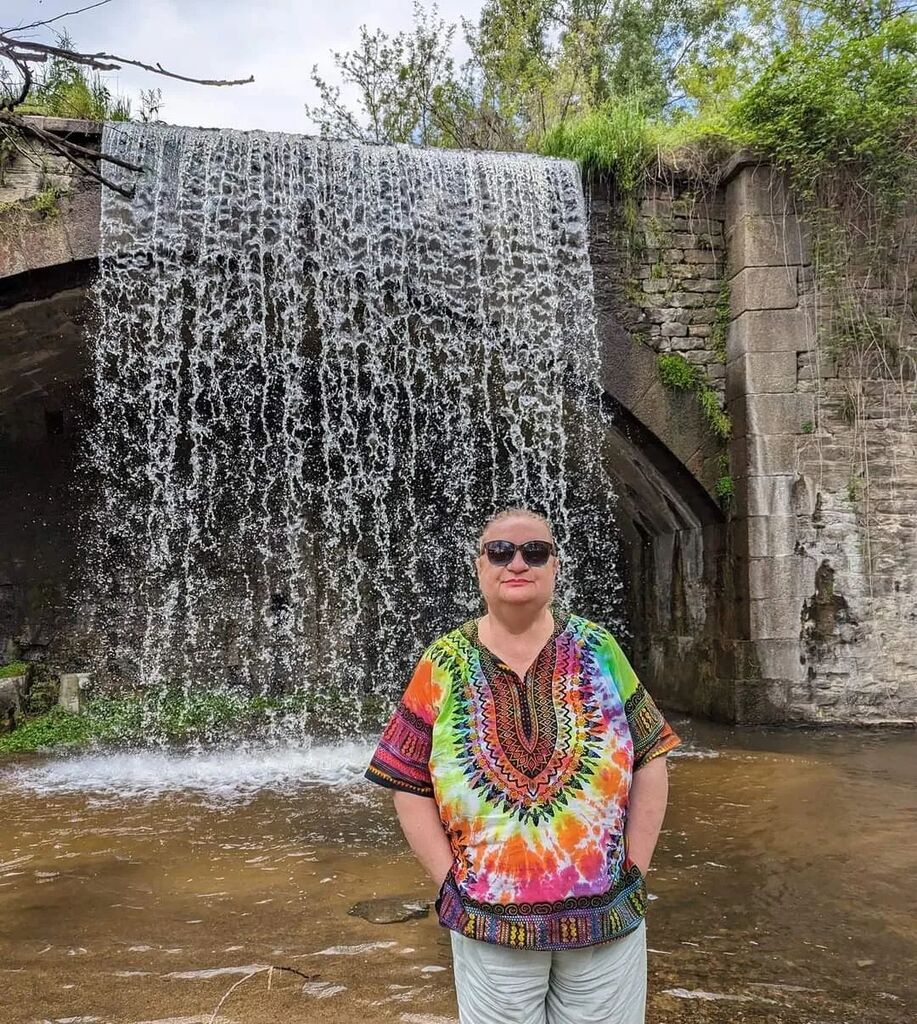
(318, 367)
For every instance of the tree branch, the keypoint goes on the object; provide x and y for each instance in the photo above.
(69, 151)
(24, 47)
(50, 21)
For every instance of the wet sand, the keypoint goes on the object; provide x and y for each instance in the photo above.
(782, 890)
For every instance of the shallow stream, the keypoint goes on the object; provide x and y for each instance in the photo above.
(142, 887)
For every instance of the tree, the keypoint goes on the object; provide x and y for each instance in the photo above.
(60, 70)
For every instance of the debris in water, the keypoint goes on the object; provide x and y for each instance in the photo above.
(390, 911)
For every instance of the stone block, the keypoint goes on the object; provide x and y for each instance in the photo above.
(771, 536)
(784, 578)
(673, 330)
(765, 242)
(763, 456)
(657, 284)
(687, 344)
(762, 288)
(758, 373)
(782, 330)
(701, 284)
(783, 659)
(771, 414)
(757, 192)
(72, 685)
(702, 256)
(772, 619)
(764, 495)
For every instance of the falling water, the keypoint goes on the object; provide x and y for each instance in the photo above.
(318, 366)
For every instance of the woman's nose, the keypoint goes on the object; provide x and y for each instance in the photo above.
(518, 564)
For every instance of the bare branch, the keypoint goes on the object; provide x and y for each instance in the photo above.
(59, 17)
(51, 139)
(69, 150)
(26, 71)
(23, 47)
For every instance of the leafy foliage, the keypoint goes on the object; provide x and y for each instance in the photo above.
(837, 99)
(65, 89)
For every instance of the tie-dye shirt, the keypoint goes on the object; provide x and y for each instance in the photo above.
(531, 778)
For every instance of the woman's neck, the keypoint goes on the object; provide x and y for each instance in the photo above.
(517, 622)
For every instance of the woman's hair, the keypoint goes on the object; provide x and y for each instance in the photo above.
(513, 513)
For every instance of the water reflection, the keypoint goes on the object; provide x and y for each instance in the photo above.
(142, 887)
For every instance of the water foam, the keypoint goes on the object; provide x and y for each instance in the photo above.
(224, 774)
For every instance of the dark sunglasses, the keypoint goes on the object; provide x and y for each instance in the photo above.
(534, 552)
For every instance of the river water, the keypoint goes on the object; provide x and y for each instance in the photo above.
(143, 887)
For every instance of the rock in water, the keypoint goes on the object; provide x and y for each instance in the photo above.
(390, 911)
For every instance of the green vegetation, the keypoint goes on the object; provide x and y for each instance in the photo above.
(721, 320)
(677, 373)
(174, 716)
(47, 202)
(64, 89)
(14, 668)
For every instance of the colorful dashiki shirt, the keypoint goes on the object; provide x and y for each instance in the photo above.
(531, 778)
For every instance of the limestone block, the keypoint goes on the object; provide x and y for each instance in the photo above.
(771, 414)
(768, 618)
(771, 536)
(764, 495)
(702, 256)
(12, 689)
(781, 330)
(701, 284)
(71, 686)
(780, 659)
(757, 192)
(760, 373)
(765, 242)
(673, 330)
(755, 455)
(762, 288)
(784, 578)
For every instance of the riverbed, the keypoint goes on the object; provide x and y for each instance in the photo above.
(159, 887)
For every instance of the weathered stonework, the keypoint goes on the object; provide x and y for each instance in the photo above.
(829, 574)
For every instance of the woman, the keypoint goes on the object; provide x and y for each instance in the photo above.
(529, 765)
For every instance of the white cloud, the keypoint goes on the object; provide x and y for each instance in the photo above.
(277, 41)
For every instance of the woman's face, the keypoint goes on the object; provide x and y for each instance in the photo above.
(517, 584)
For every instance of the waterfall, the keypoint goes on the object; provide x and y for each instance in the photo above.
(317, 367)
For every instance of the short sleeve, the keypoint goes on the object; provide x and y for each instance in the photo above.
(651, 733)
(402, 758)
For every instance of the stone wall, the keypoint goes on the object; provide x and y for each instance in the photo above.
(825, 527)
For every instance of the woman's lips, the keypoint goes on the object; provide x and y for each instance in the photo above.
(516, 583)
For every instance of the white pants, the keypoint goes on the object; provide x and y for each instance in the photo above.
(603, 984)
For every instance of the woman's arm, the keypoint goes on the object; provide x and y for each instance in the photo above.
(420, 821)
(649, 791)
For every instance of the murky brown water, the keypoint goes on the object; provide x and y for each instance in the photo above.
(784, 891)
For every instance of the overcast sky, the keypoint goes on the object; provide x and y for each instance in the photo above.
(277, 41)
